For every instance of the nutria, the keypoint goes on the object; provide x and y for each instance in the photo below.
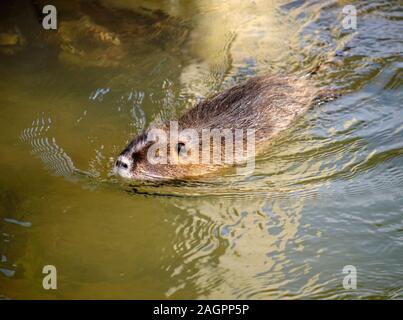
(266, 104)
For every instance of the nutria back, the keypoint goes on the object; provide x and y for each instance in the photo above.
(267, 105)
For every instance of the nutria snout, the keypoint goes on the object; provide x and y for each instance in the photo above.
(257, 110)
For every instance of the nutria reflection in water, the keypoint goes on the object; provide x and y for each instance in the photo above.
(267, 105)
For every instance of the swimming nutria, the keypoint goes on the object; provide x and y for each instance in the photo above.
(266, 104)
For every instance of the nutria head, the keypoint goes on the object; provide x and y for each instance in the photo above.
(150, 157)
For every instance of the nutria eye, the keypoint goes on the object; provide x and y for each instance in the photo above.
(135, 156)
(180, 146)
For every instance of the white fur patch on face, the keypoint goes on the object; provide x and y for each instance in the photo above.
(123, 173)
(123, 167)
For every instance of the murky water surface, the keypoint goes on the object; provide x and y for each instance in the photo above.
(327, 194)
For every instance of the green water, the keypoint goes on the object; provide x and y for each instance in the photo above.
(327, 194)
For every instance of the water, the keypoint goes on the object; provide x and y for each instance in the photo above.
(325, 195)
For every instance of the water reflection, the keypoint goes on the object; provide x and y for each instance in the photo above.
(243, 239)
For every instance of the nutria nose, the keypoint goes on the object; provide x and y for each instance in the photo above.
(122, 163)
(122, 166)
